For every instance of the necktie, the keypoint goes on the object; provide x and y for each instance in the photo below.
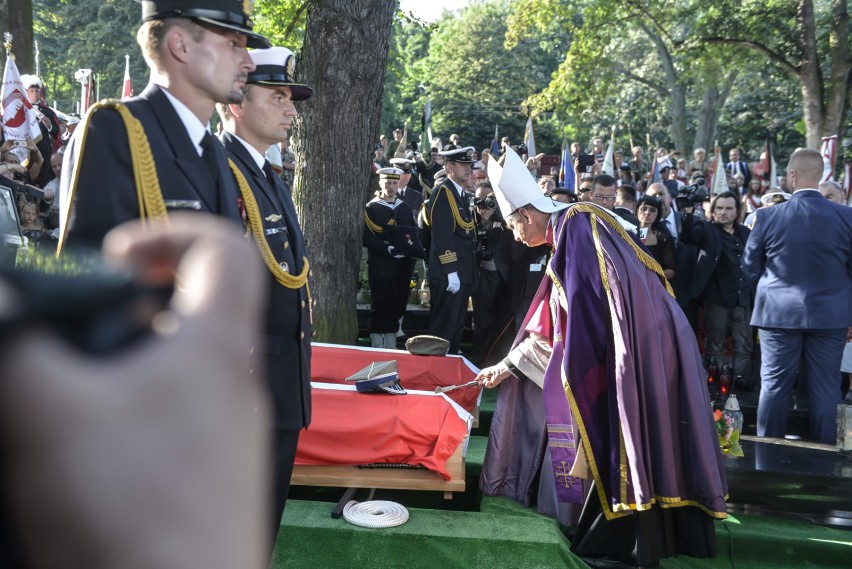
(672, 228)
(210, 156)
(270, 175)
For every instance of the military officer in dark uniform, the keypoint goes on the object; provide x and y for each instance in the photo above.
(452, 265)
(262, 119)
(196, 51)
(390, 236)
(412, 197)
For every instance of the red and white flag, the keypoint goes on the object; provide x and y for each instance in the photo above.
(847, 181)
(127, 89)
(829, 156)
(19, 117)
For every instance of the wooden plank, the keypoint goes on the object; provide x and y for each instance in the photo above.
(388, 478)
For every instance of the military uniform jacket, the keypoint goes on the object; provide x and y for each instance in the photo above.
(105, 194)
(288, 325)
(452, 235)
(413, 198)
(381, 214)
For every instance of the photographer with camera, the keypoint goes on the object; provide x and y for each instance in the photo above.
(727, 298)
(509, 274)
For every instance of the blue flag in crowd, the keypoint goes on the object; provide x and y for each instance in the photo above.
(495, 144)
(566, 168)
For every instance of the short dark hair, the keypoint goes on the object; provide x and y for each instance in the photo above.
(604, 180)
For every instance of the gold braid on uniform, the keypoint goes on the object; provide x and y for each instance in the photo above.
(466, 225)
(256, 227)
(372, 226)
(148, 192)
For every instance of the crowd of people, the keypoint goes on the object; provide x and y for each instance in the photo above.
(697, 235)
(572, 288)
(33, 170)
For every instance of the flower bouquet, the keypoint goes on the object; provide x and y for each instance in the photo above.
(728, 427)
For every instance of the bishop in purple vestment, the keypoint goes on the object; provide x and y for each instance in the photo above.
(604, 383)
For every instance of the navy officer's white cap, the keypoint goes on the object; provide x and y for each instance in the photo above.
(461, 155)
(276, 67)
(389, 173)
(403, 163)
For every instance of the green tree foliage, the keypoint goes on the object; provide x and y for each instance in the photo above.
(282, 21)
(677, 72)
(473, 80)
(87, 34)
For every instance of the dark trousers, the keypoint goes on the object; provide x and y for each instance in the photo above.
(492, 314)
(782, 351)
(390, 283)
(718, 320)
(284, 443)
(447, 312)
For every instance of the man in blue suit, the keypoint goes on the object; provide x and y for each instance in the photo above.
(736, 166)
(800, 255)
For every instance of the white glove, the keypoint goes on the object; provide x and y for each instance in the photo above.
(453, 283)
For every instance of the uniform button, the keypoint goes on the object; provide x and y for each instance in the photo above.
(310, 273)
(286, 244)
(301, 335)
(303, 304)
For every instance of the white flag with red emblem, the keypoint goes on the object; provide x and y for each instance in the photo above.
(19, 117)
(829, 156)
(127, 89)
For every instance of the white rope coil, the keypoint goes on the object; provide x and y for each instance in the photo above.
(375, 514)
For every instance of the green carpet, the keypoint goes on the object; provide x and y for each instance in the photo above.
(431, 538)
(506, 535)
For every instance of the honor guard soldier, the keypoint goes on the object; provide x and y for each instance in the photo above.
(262, 119)
(412, 197)
(452, 265)
(154, 153)
(393, 246)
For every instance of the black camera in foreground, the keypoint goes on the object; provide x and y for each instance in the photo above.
(690, 196)
(485, 203)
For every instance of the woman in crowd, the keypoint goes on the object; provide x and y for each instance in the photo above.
(751, 199)
(654, 234)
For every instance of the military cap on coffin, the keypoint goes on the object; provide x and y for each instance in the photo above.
(425, 345)
(378, 376)
(276, 67)
(514, 187)
(460, 155)
(232, 15)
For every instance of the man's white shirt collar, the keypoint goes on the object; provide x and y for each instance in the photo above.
(259, 158)
(194, 127)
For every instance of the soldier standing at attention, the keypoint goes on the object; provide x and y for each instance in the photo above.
(154, 153)
(452, 264)
(262, 119)
(390, 236)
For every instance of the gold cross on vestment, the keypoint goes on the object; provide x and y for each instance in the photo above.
(563, 475)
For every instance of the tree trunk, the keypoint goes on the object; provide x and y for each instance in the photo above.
(810, 75)
(17, 18)
(677, 89)
(837, 103)
(343, 59)
(710, 111)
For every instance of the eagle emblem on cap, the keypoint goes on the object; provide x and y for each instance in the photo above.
(248, 5)
(290, 66)
(273, 218)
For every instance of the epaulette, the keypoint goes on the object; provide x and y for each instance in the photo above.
(150, 196)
